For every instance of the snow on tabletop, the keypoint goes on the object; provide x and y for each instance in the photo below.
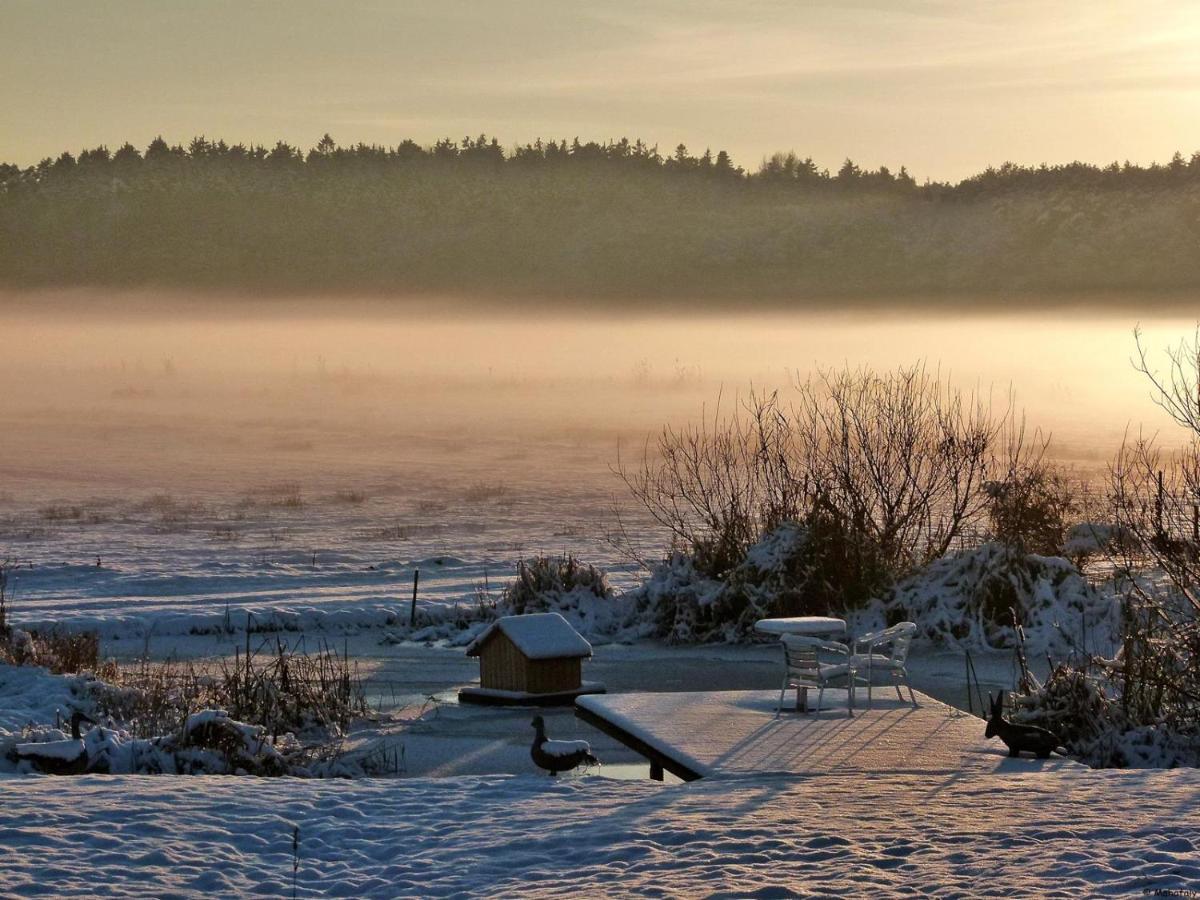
(537, 636)
(1071, 834)
(816, 625)
(565, 748)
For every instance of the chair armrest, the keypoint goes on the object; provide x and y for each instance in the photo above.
(871, 639)
(804, 640)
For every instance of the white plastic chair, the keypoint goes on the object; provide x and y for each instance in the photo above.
(886, 652)
(804, 668)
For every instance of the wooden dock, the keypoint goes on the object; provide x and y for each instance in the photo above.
(704, 734)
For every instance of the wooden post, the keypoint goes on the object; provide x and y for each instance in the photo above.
(656, 771)
(412, 615)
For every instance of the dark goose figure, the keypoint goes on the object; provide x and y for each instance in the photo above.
(59, 757)
(558, 756)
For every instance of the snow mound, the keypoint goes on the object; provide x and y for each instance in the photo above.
(965, 600)
(32, 695)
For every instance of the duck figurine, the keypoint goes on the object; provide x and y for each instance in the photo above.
(67, 757)
(558, 756)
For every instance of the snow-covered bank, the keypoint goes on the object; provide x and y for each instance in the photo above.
(1085, 834)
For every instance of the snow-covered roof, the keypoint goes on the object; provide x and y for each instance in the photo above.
(537, 636)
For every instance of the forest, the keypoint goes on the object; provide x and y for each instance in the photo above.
(590, 222)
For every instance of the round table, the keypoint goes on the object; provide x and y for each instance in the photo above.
(814, 626)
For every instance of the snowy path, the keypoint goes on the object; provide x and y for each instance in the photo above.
(1068, 834)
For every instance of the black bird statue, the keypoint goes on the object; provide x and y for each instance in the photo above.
(558, 756)
(1019, 737)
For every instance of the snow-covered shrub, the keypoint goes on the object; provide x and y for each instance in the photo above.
(1089, 539)
(542, 579)
(579, 592)
(1083, 706)
(1141, 706)
(969, 599)
(793, 570)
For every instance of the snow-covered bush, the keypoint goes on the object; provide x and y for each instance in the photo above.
(1083, 706)
(969, 599)
(579, 592)
(1090, 539)
(793, 570)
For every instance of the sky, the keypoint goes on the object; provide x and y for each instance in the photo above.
(944, 88)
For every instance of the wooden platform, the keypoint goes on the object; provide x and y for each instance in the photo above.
(695, 735)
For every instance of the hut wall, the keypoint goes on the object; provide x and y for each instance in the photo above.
(501, 665)
(547, 676)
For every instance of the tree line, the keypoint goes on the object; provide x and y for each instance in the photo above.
(588, 220)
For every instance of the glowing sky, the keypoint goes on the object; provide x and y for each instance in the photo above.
(945, 88)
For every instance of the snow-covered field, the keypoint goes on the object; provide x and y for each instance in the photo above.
(1070, 835)
(339, 554)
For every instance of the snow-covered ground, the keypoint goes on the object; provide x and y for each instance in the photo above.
(301, 557)
(1070, 835)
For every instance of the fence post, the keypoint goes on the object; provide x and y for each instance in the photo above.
(412, 615)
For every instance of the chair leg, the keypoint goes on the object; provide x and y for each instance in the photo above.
(911, 695)
(820, 695)
(898, 693)
(782, 691)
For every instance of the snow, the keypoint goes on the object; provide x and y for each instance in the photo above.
(30, 694)
(811, 625)
(565, 748)
(62, 750)
(537, 636)
(1078, 833)
(961, 599)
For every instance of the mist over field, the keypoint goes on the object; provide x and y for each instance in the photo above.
(173, 393)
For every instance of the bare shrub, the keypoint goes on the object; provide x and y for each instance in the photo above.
(69, 652)
(1029, 505)
(284, 689)
(281, 494)
(718, 486)
(885, 470)
(61, 512)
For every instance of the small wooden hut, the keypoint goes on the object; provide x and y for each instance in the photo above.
(535, 659)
